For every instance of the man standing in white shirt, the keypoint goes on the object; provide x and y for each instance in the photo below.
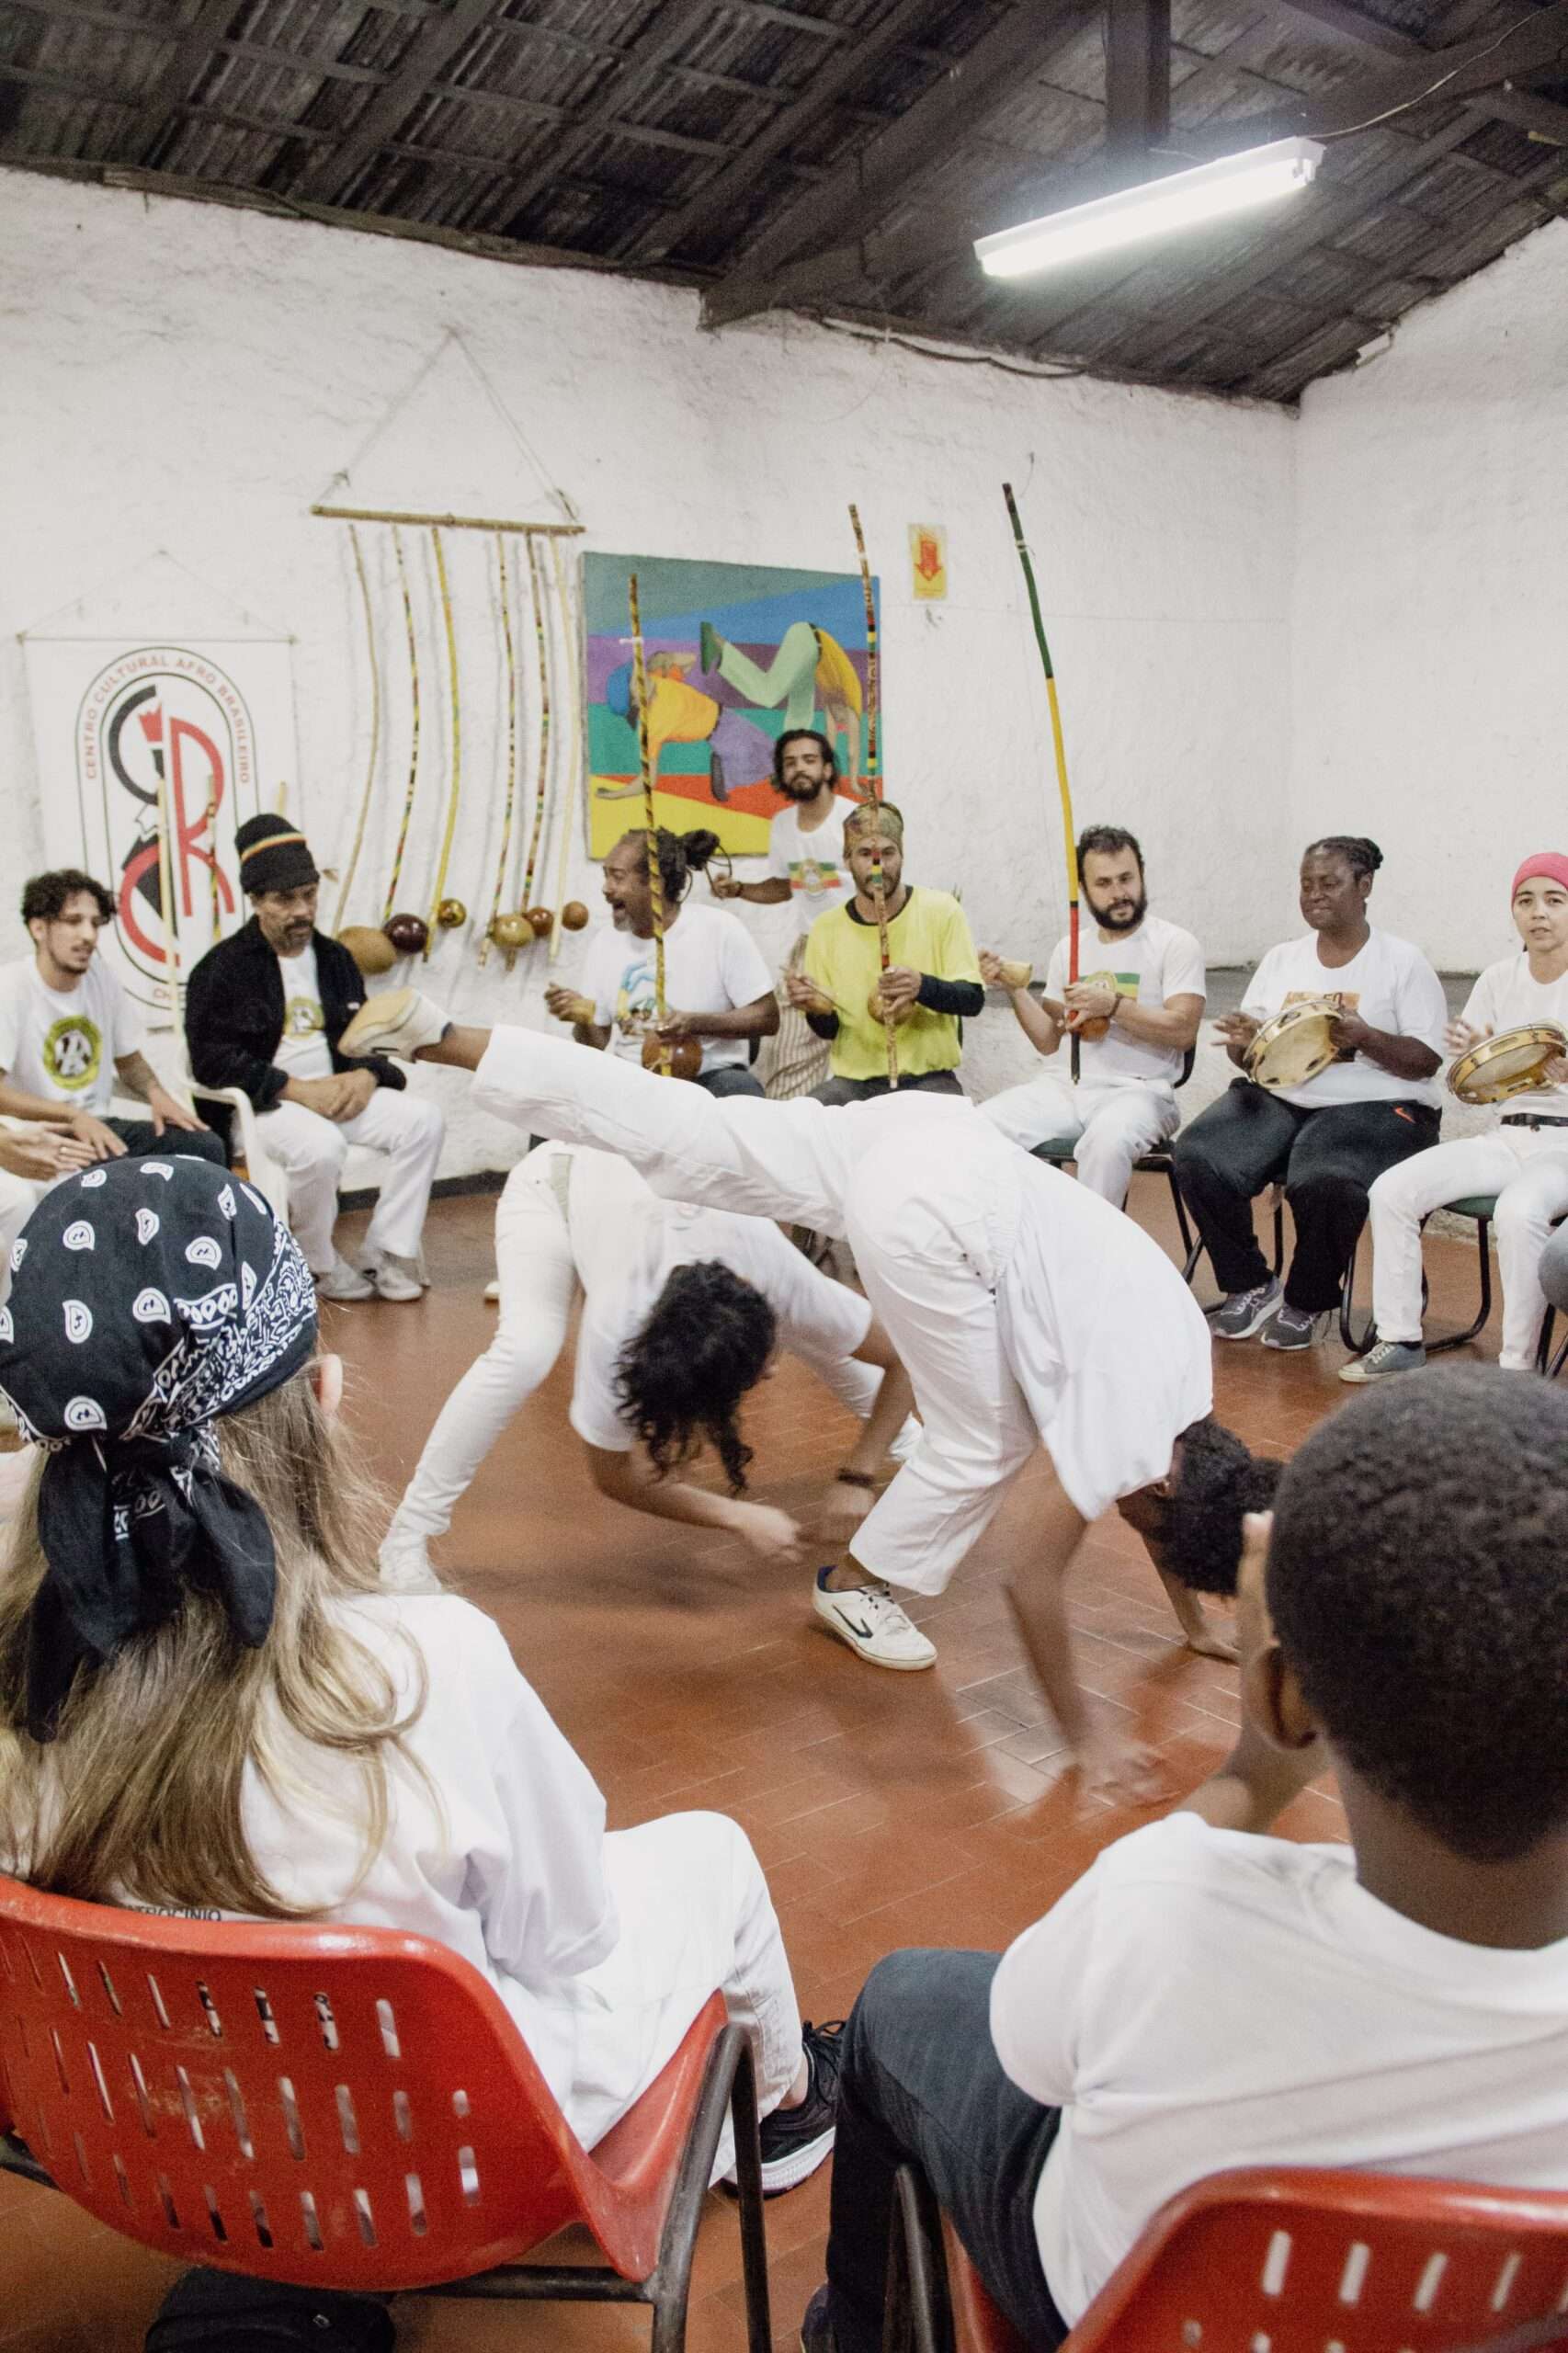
(806, 865)
(69, 1040)
(1208, 1997)
(1523, 1159)
(716, 985)
(265, 1010)
(1134, 1023)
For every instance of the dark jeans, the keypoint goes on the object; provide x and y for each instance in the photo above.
(139, 1139)
(922, 2080)
(864, 1090)
(1327, 1160)
(730, 1078)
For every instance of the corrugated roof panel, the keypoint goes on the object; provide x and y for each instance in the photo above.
(472, 149)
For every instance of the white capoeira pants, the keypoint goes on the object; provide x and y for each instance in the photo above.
(695, 1914)
(1110, 1125)
(539, 1284)
(931, 1252)
(407, 1128)
(1528, 1170)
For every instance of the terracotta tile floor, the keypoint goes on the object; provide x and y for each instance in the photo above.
(688, 1675)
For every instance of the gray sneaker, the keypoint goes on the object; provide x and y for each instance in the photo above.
(1388, 1355)
(1246, 1312)
(1294, 1327)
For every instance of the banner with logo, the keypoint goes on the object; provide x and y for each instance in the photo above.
(207, 730)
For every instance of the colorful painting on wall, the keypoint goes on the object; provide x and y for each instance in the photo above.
(734, 655)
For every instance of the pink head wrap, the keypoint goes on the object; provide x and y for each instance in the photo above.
(1542, 861)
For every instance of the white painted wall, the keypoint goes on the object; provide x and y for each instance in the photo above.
(190, 378)
(1430, 636)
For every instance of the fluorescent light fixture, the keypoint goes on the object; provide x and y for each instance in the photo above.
(1155, 209)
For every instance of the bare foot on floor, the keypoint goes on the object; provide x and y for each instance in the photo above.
(1209, 1642)
(1115, 1766)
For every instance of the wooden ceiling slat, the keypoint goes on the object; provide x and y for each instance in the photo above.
(882, 174)
(714, 204)
(1419, 263)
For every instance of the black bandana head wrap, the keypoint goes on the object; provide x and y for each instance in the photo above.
(148, 1298)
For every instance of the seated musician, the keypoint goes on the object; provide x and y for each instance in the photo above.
(1522, 1158)
(264, 1012)
(718, 989)
(1327, 1138)
(931, 984)
(1134, 1023)
(71, 1040)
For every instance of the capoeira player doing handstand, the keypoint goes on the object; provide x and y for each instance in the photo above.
(1026, 1312)
(683, 1308)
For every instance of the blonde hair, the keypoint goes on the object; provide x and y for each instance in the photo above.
(140, 1796)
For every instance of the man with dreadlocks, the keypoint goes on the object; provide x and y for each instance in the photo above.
(717, 987)
(1327, 1138)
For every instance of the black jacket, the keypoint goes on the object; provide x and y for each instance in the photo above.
(234, 1015)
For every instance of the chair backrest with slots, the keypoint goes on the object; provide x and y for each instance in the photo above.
(343, 2108)
(1318, 2262)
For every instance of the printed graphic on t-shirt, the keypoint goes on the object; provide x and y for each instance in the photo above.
(72, 1053)
(635, 1000)
(813, 878)
(302, 1016)
(1343, 1000)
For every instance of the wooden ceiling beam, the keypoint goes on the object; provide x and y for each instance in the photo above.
(714, 204)
(859, 192)
(1531, 189)
(432, 47)
(180, 75)
(1346, 28)
(1137, 76)
(622, 85)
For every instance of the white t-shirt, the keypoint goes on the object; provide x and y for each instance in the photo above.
(1202, 1999)
(627, 1242)
(812, 864)
(500, 1858)
(1390, 985)
(303, 1050)
(711, 965)
(1505, 997)
(1153, 964)
(64, 1044)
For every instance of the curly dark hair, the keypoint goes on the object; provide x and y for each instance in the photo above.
(804, 735)
(1107, 840)
(1361, 856)
(680, 856)
(1417, 1586)
(46, 896)
(706, 1341)
(1220, 1481)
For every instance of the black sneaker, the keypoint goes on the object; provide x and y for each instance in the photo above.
(795, 2141)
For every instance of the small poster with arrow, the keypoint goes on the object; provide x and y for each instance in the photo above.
(928, 562)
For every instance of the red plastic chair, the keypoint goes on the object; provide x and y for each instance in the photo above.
(1285, 2262)
(346, 2109)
